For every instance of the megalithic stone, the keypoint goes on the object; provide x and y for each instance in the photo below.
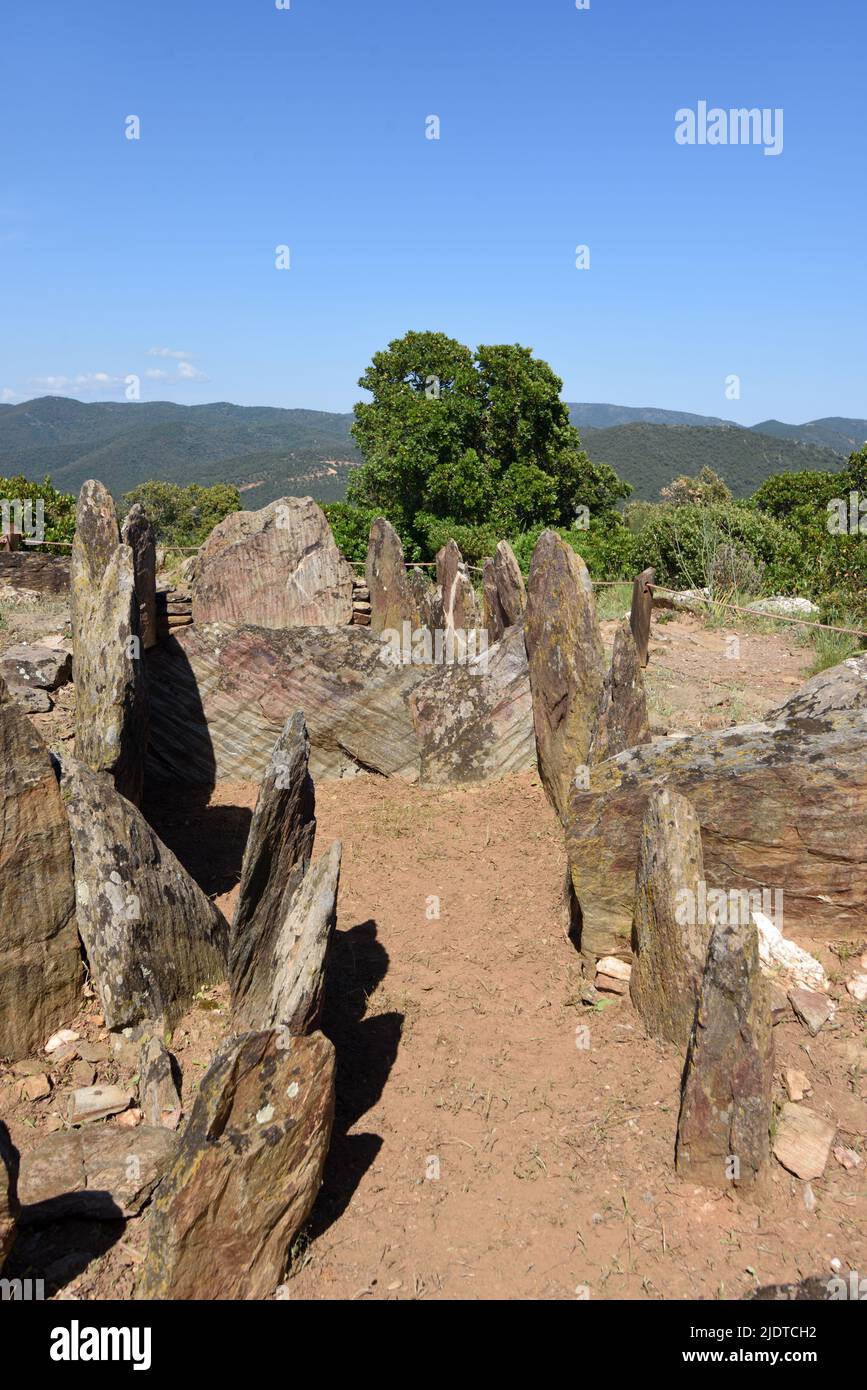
(723, 1132)
(277, 856)
(623, 721)
(298, 964)
(510, 584)
(40, 960)
(566, 660)
(391, 601)
(459, 607)
(668, 938)
(152, 937)
(493, 617)
(640, 613)
(138, 533)
(247, 1171)
(110, 691)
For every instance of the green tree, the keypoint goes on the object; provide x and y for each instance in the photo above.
(183, 516)
(477, 441)
(58, 507)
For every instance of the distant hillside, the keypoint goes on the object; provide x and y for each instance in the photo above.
(649, 456)
(285, 451)
(587, 415)
(834, 432)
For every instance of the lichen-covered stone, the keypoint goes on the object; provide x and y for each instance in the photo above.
(511, 591)
(110, 692)
(40, 963)
(277, 568)
(623, 720)
(246, 1173)
(668, 938)
(723, 1132)
(459, 607)
(391, 601)
(152, 937)
(300, 953)
(566, 662)
(159, 1097)
(138, 533)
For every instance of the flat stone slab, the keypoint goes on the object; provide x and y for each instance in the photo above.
(100, 1174)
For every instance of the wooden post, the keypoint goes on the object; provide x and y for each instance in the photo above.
(639, 617)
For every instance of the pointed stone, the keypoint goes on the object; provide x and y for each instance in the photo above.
(40, 962)
(138, 533)
(247, 1171)
(511, 591)
(423, 596)
(669, 942)
(459, 607)
(301, 950)
(277, 856)
(623, 721)
(391, 602)
(723, 1133)
(152, 937)
(110, 693)
(641, 613)
(158, 1093)
(493, 617)
(567, 662)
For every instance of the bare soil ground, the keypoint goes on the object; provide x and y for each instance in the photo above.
(479, 1151)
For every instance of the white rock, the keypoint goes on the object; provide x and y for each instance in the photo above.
(788, 606)
(613, 966)
(777, 953)
(857, 987)
(65, 1035)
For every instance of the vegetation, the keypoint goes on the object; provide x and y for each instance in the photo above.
(183, 516)
(58, 507)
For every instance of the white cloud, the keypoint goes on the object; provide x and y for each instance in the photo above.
(187, 372)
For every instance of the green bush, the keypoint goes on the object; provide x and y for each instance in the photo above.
(58, 507)
(350, 527)
(183, 516)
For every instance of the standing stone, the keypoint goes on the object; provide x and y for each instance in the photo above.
(159, 1098)
(138, 533)
(275, 568)
(391, 602)
(40, 962)
(9, 1206)
(493, 617)
(152, 937)
(641, 612)
(669, 942)
(277, 856)
(297, 968)
(423, 596)
(247, 1171)
(566, 660)
(510, 584)
(110, 694)
(459, 607)
(723, 1133)
(623, 720)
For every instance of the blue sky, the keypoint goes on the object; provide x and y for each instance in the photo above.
(306, 127)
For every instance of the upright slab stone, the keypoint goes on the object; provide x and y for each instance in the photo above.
(493, 617)
(641, 613)
(459, 607)
(276, 568)
(276, 858)
(138, 533)
(110, 692)
(247, 1171)
(9, 1206)
(511, 591)
(151, 936)
(423, 595)
(40, 963)
(566, 661)
(391, 601)
(298, 963)
(623, 721)
(668, 938)
(723, 1132)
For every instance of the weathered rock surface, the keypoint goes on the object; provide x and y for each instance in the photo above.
(812, 1008)
(300, 953)
(770, 798)
(152, 937)
(31, 663)
(423, 595)
(841, 687)
(277, 568)
(669, 941)
(29, 698)
(723, 1131)
(9, 1205)
(474, 722)
(40, 964)
(566, 662)
(34, 572)
(246, 1173)
(623, 721)
(493, 617)
(511, 590)
(641, 611)
(276, 858)
(459, 607)
(221, 695)
(88, 1104)
(159, 1098)
(99, 1174)
(110, 692)
(138, 533)
(391, 599)
(803, 1141)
